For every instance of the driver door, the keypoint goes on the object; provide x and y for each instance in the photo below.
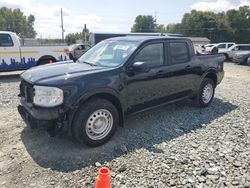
(145, 88)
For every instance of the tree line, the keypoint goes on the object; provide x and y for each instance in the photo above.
(232, 25)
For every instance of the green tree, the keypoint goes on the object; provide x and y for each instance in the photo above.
(239, 21)
(161, 28)
(71, 38)
(233, 25)
(14, 20)
(144, 24)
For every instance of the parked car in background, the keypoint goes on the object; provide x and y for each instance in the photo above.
(199, 48)
(77, 50)
(117, 77)
(209, 45)
(210, 50)
(235, 49)
(13, 56)
(221, 47)
(242, 57)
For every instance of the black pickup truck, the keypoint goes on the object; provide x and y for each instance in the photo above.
(117, 77)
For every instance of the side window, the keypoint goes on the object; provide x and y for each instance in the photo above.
(229, 45)
(152, 55)
(221, 46)
(236, 48)
(179, 52)
(6, 40)
(245, 47)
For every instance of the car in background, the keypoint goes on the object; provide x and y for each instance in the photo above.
(199, 48)
(209, 45)
(222, 47)
(242, 58)
(77, 50)
(236, 49)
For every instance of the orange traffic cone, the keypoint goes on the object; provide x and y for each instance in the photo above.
(103, 179)
(50, 61)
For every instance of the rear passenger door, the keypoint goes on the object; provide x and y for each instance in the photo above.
(181, 71)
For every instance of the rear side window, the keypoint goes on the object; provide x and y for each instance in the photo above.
(179, 52)
(245, 48)
(229, 45)
(5, 40)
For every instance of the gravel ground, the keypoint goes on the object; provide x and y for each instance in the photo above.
(178, 145)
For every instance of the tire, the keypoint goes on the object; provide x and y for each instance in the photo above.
(71, 57)
(226, 57)
(95, 122)
(204, 99)
(44, 61)
(247, 61)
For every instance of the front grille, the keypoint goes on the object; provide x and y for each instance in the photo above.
(26, 91)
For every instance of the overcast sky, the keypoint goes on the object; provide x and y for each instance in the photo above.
(109, 15)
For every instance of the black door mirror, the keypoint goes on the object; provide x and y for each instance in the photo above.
(140, 67)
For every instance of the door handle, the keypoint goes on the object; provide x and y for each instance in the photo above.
(188, 67)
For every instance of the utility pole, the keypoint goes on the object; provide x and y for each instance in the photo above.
(62, 25)
(155, 16)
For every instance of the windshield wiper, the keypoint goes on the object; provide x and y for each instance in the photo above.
(87, 63)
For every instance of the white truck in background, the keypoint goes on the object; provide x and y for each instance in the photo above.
(13, 56)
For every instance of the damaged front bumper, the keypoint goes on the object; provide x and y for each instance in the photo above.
(53, 120)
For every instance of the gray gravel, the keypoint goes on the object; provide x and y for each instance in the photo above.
(175, 146)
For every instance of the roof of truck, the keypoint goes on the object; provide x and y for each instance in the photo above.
(7, 32)
(142, 38)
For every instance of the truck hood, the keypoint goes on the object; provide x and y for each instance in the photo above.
(60, 70)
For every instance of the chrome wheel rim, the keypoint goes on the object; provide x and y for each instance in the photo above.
(99, 124)
(207, 93)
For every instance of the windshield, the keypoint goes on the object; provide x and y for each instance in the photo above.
(109, 53)
(72, 47)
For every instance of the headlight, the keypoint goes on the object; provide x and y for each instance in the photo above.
(48, 96)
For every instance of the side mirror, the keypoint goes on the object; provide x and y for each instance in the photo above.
(140, 67)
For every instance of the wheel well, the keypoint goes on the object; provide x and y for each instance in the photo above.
(42, 59)
(213, 77)
(114, 100)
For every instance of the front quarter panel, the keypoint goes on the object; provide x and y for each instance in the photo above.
(78, 89)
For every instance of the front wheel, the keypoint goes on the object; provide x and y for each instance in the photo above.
(206, 93)
(95, 122)
(248, 61)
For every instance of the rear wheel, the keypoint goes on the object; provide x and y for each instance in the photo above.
(206, 93)
(95, 122)
(46, 60)
(226, 57)
(247, 61)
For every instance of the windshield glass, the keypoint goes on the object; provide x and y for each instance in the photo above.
(109, 53)
(72, 47)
